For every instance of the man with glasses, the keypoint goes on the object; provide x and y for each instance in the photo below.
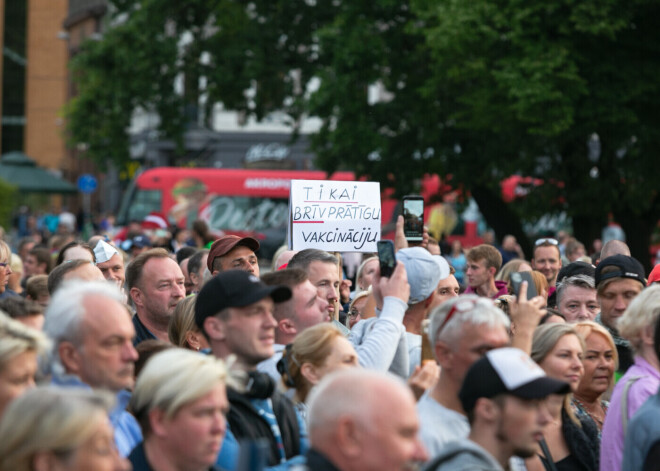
(461, 331)
(547, 260)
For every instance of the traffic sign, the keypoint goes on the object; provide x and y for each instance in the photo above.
(87, 183)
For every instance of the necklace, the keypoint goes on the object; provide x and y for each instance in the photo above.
(597, 419)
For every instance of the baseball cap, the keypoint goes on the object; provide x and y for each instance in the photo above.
(654, 276)
(628, 267)
(507, 371)
(424, 272)
(234, 288)
(576, 268)
(225, 243)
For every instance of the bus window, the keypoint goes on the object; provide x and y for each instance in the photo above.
(242, 213)
(143, 203)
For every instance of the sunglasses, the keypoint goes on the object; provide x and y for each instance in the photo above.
(546, 240)
(461, 306)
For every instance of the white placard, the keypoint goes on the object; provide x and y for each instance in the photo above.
(335, 216)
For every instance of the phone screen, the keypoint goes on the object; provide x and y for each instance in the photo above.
(386, 257)
(413, 218)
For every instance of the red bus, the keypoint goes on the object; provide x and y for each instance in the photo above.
(234, 201)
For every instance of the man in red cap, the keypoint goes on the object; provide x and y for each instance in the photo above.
(232, 252)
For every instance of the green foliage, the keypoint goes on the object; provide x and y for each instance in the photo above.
(8, 197)
(479, 90)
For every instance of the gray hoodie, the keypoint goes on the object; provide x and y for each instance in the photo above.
(463, 455)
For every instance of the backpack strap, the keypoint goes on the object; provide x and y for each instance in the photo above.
(624, 402)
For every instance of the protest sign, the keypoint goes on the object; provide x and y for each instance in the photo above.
(336, 216)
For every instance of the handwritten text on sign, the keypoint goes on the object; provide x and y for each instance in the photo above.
(334, 215)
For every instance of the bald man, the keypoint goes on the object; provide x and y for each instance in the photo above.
(363, 420)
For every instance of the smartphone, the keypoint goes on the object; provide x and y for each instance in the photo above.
(386, 257)
(413, 217)
(516, 280)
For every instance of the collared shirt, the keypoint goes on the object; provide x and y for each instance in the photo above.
(141, 331)
(611, 450)
(127, 431)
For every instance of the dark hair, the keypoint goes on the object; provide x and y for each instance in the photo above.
(305, 257)
(195, 262)
(56, 276)
(288, 277)
(42, 254)
(134, 269)
(184, 253)
(60, 256)
(16, 307)
(201, 228)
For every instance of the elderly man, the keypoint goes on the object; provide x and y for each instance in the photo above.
(231, 252)
(156, 285)
(577, 299)
(110, 262)
(503, 395)
(363, 421)
(92, 336)
(619, 279)
(461, 331)
(305, 309)
(234, 310)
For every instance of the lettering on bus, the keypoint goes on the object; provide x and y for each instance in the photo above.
(247, 214)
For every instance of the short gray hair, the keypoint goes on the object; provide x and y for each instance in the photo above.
(581, 281)
(475, 310)
(173, 378)
(66, 311)
(305, 257)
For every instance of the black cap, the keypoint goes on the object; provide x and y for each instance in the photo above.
(576, 268)
(507, 371)
(234, 288)
(628, 267)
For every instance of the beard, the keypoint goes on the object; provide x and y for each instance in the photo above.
(518, 450)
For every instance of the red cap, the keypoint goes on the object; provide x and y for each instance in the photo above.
(225, 244)
(654, 276)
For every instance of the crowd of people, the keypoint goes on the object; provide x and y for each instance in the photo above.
(150, 352)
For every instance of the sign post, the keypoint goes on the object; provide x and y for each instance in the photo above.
(87, 185)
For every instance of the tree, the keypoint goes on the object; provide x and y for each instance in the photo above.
(561, 90)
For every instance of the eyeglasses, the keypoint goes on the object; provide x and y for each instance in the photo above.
(461, 306)
(353, 313)
(546, 240)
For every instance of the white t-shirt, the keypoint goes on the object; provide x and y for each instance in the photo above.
(439, 425)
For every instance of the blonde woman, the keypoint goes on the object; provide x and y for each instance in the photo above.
(182, 331)
(5, 267)
(180, 401)
(53, 429)
(600, 361)
(20, 347)
(315, 352)
(568, 443)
